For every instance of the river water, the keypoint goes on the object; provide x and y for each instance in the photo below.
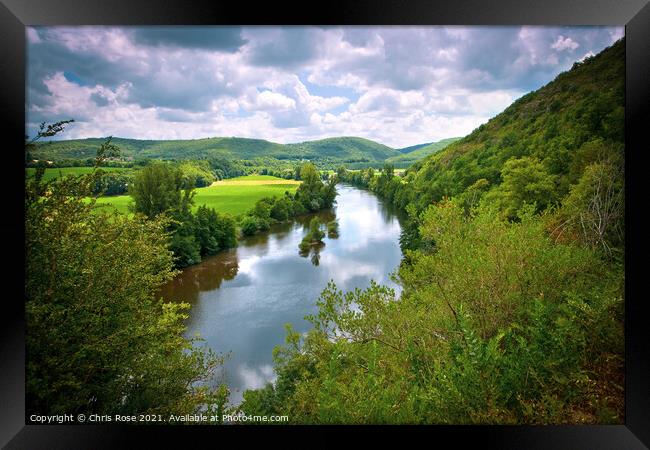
(241, 298)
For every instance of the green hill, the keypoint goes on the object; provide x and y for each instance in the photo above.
(166, 149)
(346, 149)
(413, 147)
(333, 150)
(419, 152)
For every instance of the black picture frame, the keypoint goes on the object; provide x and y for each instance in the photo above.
(633, 14)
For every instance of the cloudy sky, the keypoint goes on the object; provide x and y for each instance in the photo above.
(399, 86)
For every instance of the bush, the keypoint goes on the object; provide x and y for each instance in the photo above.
(249, 225)
(213, 231)
(281, 209)
(186, 249)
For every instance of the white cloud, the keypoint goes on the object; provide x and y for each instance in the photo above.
(586, 55)
(256, 377)
(268, 100)
(563, 43)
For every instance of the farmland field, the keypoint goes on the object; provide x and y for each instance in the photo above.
(234, 196)
(56, 172)
(254, 180)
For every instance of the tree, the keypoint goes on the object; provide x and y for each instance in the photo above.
(281, 209)
(197, 173)
(249, 225)
(157, 189)
(213, 231)
(184, 245)
(98, 340)
(594, 211)
(525, 180)
(389, 171)
(312, 192)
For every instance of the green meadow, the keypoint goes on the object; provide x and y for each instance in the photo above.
(231, 198)
(57, 172)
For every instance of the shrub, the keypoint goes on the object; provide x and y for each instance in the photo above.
(249, 225)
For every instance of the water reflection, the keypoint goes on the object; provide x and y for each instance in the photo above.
(241, 298)
(206, 276)
(313, 252)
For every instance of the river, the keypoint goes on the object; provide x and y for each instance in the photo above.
(241, 298)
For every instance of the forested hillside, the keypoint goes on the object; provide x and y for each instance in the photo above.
(513, 278)
(348, 150)
(419, 152)
(413, 147)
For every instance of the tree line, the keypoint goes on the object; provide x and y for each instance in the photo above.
(161, 188)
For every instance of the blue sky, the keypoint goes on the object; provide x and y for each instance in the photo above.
(400, 86)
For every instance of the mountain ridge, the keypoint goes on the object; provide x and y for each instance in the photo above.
(344, 148)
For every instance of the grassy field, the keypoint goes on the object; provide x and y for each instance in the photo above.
(56, 172)
(235, 197)
(254, 180)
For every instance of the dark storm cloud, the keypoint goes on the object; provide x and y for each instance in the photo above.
(50, 56)
(286, 47)
(171, 85)
(166, 80)
(227, 39)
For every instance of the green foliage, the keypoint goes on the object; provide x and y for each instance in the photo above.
(593, 212)
(98, 341)
(333, 229)
(197, 173)
(498, 324)
(185, 247)
(249, 225)
(113, 183)
(281, 209)
(160, 189)
(214, 231)
(511, 310)
(525, 181)
(312, 193)
(156, 189)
